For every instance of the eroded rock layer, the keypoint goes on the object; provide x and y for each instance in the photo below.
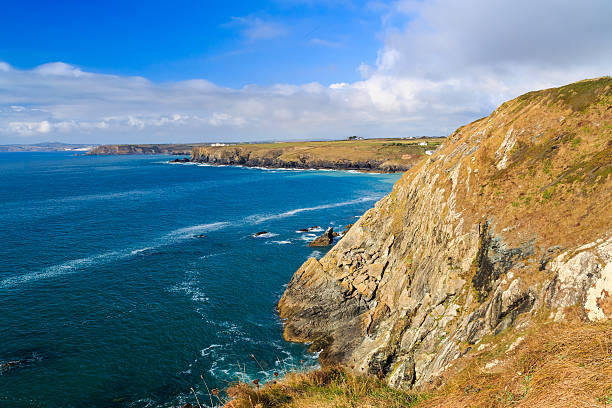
(510, 220)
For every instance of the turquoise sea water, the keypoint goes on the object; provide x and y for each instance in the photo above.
(108, 297)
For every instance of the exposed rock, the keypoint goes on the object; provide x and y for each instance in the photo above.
(177, 149)
(316, 227)
(509, 218)
(326, 239)
(346, 229)
(260, 233)
(183, 160)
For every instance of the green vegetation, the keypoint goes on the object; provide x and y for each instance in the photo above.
(329, 387)
(376, 154)
(577, 96)
(551, 364)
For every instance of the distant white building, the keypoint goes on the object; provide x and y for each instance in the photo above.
(422, 143)
(218, 144)
(429, 152)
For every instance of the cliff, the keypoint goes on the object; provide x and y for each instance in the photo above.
(175, 149)
(384, 155)
(507, 225)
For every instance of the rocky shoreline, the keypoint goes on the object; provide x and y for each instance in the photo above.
(369, 155)
(466, 246)
(246, 160)
(362, 166)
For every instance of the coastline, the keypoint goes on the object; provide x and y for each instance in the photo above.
(363, 155)
(271, 168)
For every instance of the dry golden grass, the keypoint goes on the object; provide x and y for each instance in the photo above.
(556, 183)
(565, 364)
(556, 365)
(404, 152)
(329, 387)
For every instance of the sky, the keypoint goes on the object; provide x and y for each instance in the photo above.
(202, 71)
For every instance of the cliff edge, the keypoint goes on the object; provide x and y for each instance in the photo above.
(509, 223)
(382, 155)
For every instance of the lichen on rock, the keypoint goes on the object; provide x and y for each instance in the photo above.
(510, 218)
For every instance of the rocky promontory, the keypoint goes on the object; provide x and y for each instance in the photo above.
(380, 155)
(172, 149)
(507, 226)
(325, 239)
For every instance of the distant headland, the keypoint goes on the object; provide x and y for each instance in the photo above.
(381, 155)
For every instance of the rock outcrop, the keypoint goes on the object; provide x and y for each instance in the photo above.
(381, 155)
(325, 239)
(174, 149)
(509, 222)
(239, 156)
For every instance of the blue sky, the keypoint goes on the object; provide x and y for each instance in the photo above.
(228, 43)
(202, 71)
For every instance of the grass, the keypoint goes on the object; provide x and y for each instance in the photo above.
(560, 364)
(558, 176)
(565, 364)
(401, 153)
(328, 387)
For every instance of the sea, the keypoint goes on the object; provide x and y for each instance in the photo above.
(126, 281)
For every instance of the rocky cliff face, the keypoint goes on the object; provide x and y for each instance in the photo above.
(141, 149)
(244, 156)
(510, 222)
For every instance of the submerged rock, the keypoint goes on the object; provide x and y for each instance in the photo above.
(326, 239)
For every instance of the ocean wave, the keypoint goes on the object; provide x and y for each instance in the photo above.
(258, 219)
(140, 250)
(198, 228)
(74, 265)
(208, 350)
(265, 235)
(61, 269)
(212, 255)
(281, 242)
(190, 287)
(308, 237)
(42, 207)
(315, 254)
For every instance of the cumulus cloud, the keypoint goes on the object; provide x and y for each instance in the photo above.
(442, 63)
(470, 55)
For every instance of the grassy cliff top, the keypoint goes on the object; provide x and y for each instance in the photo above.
(553, 364)
(538, 171)
(393, 150)
(539, 165)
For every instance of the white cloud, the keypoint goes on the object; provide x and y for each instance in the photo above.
(325, 43)
(29, 128)
(443, 63)
(255, 28)
(59, 69)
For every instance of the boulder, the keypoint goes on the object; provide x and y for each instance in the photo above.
(181, 160)
(326, 239)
